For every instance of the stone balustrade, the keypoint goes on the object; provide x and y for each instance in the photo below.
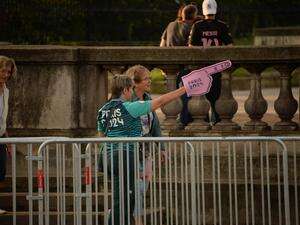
(59, 89)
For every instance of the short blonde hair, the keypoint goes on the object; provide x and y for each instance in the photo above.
(6, 61)
(136, 72)
(119, 83)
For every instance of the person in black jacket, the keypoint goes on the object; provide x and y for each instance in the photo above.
(211, 32)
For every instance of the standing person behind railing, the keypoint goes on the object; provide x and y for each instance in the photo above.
(206, 33)
(7, 70)
(121, 118)
(140, 76)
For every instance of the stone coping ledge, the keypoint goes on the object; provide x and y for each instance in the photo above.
(277, 31)
(148, 55)
(16, 132)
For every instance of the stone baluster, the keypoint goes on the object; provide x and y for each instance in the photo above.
(285, 105)
(172, 109)
(116, 69)
(226, 105)
(256, 106)
(198, 107)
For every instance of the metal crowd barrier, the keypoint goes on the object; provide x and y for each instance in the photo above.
(202, 180)
(293, 146)
(24, 147)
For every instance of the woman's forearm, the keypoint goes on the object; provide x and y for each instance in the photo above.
(166, 98)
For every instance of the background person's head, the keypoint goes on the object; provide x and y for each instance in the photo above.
(8, 68)
(141, 78)
(209, 8)
(179, 12)
(121, 86)
(189, 12)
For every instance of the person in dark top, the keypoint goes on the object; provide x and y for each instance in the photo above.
(206, 33)
(177, 32)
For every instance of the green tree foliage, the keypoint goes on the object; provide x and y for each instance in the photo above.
(52, 21)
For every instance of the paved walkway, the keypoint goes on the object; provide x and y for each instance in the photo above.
(241, 116)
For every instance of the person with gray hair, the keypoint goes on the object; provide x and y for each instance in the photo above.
(177, 32)
(140, 76)
(8, 69)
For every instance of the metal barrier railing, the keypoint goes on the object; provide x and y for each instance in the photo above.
(181, 187)
(27, 146)
(292, 144)
(203, 180)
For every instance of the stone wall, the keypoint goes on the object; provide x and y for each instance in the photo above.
(59, 89)
(277, 36)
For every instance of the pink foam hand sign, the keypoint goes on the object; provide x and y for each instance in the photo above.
(198, 82)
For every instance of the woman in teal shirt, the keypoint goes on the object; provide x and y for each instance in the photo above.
(121, 118)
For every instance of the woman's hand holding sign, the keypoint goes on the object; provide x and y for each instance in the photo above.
(198, 82)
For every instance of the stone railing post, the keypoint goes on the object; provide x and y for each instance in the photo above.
(285, 105)
(256, 106)
(172, 109)
(198, 107)
(226, 105)
(93, 89)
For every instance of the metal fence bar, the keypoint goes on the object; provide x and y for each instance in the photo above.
(193, 183)
(58, 186)
(252, 186)
(219, 183)
(203, 184)
(46, 185)
(105, 180)
(235, 184)
(95, 178)
(295, 184)
(268, 183)
(146, 159)
(88, 184)
(230, 186)
(246, 183)
(176, 185)
(170, 180)
(214, 183)
(192, 180)
(64, 186)
(182, 185)
(198, 183)
(30, 188)
(186, 184)
(166, 183)
(74, 174)
(279, 186)
(262, 185)
(14, 178)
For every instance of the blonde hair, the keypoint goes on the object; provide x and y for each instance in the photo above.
(6, 61)
(136, 72)
(119, 83)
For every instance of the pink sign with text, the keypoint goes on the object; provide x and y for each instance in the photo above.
(198, 82)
